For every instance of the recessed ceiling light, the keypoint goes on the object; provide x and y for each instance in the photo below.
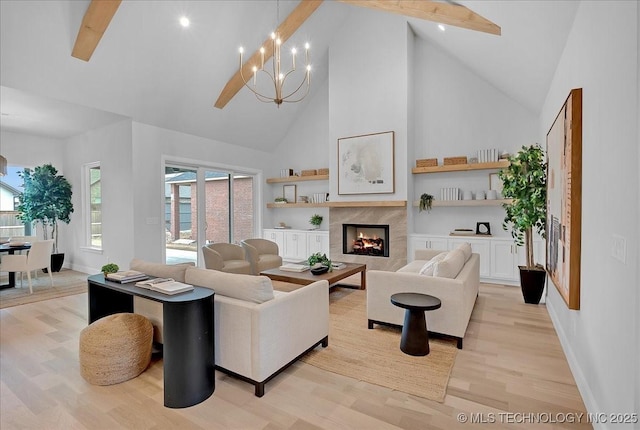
(441, 27)
(184, 21)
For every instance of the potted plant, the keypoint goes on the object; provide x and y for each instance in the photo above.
(46, 200)
(109, 268)
(318, 262)
(315, 221)
(525, 182)
(425, 202)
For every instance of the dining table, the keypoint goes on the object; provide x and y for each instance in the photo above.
(11, 249)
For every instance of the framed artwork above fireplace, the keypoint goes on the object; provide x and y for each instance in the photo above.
(366, 164)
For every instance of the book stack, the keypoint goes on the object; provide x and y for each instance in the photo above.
(450, 193)
(487, 155)
(127, 276)
(292, 267)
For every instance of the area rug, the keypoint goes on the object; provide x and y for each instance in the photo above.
(374, 356)
(65, 283)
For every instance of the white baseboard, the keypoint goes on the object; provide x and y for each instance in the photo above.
(581, 381)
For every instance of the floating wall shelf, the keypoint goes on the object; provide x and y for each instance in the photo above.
(298, 179)
(451, 203)
(363, 204)
(461, 167)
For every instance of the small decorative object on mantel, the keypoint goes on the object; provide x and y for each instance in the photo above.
(483, 228)
(315, 221)
(425, 202)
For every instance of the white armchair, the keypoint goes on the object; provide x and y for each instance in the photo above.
(226, 257)
(262, 254)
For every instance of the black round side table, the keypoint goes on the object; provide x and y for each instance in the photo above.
(415, 337)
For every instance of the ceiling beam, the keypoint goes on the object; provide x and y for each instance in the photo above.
(288, 27)
(94, 24)
(445, 13)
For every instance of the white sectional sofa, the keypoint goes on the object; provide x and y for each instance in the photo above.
(258, 331)
(458, 295)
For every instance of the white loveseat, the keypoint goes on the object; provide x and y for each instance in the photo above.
(258, 331)
(458, 295)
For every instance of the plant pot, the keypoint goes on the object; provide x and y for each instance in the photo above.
(56, 262)
(532, 281)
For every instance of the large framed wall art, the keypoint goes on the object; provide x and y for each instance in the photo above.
(564, 199)
(366, 164)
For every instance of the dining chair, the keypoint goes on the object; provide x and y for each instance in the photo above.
(39, 257)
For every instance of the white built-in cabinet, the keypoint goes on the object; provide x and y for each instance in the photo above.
(276, 236)
(499, 257)
(506, 256)
(298, 245)
(317, 241)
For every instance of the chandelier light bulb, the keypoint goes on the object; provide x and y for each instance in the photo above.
(273, 35)
(241, 50)
(184, 21)
(278, 41)
(306, 46)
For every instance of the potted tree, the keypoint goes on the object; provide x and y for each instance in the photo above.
(525, 182)
(46, 200)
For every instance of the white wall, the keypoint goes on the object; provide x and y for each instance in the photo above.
(600, 339)
(457, 113)
(150, 145)
(25, 150)
(305, 146)
(368, 86)
(111, 146)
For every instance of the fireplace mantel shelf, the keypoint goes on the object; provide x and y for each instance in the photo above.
(363, 204)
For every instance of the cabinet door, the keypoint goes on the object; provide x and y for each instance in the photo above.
(504, 259)
(276, 236)
(318, 242)
(295, 245)
(478, 246)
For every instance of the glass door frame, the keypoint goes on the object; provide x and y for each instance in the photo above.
(201, 167)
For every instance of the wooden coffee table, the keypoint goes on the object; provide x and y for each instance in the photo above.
(306, 277)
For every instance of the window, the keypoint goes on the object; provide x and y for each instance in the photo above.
(206, 205)
(93, 205)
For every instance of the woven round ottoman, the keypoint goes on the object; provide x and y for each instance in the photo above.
(115, 348)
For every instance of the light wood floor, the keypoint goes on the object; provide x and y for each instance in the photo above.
(511, 362)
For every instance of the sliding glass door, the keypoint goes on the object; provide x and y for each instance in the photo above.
(204, 205)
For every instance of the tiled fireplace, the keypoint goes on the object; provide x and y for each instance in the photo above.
(385, 231)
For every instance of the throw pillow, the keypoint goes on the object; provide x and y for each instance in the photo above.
(466, 249)
(173, 271)
(250, 288)
(429, 266)
(450, 266)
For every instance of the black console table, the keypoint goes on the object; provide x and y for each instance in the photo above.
(188, 350)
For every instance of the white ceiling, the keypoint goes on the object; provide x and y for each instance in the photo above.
(147, 67)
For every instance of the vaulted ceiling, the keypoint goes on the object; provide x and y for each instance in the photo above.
(149, 68)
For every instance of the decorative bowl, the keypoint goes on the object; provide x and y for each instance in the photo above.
(319, 270)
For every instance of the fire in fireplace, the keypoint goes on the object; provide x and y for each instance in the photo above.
(365, 239)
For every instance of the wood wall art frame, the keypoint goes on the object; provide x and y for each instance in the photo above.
(564, 199)
(366, 164)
